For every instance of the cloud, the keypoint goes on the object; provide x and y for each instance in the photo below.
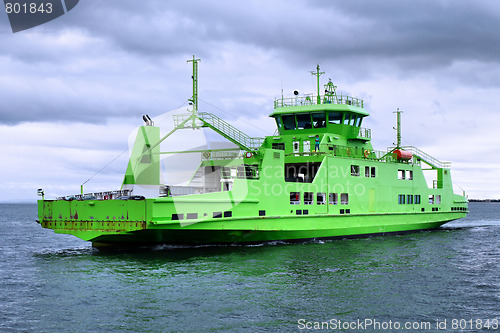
(73, 78)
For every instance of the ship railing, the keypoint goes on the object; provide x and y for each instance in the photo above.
(105, 195)
(205, 119)
(359, 153)
(361, 133)
(313, 100)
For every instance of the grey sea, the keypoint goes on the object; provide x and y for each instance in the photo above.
(447, 280)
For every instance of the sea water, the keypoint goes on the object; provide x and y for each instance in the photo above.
(447, 280)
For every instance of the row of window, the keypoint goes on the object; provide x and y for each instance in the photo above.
(317, 120)
(333, 198)
(410, 199)
(462, 209)
(215, 215)
(405, 174)
(194, 216)
(369, 171)
(246, 171)
(306, 211)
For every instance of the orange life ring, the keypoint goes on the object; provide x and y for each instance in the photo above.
(206, 154)
(348, 151)
(248, 155)
(366, 153)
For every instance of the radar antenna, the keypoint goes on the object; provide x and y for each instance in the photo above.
(194, 99)
(398, 128)
(318, 74)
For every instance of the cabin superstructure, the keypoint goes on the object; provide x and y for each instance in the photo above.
(317, 177)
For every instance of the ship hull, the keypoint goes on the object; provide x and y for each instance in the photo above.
(131, 230)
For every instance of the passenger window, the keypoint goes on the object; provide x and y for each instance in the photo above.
(294, 198)
(321, 198)
(334, 199)
(344, 199)
(308, 198)
(354, 170)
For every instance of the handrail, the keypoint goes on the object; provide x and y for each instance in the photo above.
(313, 100)
(222, 127)
(230, 132)
(361, 132)
(432, 161)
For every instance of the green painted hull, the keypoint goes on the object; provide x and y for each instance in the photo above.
(197, 236)
(126, 225)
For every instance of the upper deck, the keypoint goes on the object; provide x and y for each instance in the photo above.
(324, 102)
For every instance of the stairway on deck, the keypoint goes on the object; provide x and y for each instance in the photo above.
(433, 162)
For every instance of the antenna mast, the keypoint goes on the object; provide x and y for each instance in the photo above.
(398, 128)
(318, 74)
(194, 99)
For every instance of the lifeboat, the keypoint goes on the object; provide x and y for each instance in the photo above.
(403, 154)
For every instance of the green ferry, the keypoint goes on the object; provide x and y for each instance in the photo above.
(317, 177)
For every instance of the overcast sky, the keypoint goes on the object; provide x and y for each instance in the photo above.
(72, 90)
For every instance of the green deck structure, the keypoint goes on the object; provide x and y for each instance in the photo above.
(281, 187)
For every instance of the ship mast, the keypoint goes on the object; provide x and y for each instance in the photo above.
(194, 99)
(398, 128)
(318, 74)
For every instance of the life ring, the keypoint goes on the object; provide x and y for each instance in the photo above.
(248, 154)
(366, 153)
(206, 154)
(348, 151)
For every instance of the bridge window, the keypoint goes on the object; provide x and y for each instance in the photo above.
(334, 118)
(289, 122)
(347, 119)
(304, 121)
(358, 124)
(353, 120)
(319, 120)
(278, 121)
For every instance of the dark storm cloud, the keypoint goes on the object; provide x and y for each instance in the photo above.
(100, 58)
(431, 33)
